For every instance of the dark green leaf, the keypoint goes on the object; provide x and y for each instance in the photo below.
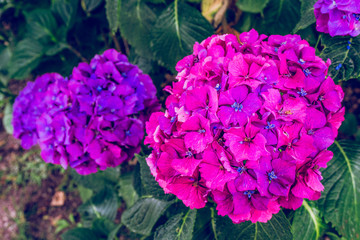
(112, 14)
(143, 215)
(41, 23)
(280, 17)
(98, 180)
(278, 227)
(349, 126)
(340, 201)
(151, 187)
(345, 60)
(5, 56)
(136, 20)
(127, 191)
(307, 15)
(54, 49)
(90, 5)
(79, 234)
(25, 58)
(176, 31)
(113, 233)
(66, 10)
(103, 205)
(178, 227)
(252, 6)
(155, 1)
(7, 119)
(103, 226)
(307, 225)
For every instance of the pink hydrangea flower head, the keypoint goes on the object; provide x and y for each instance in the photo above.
(247, 123)
(338, 17)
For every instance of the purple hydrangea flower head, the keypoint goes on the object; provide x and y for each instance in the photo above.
(338, 17)
(247, 123)
(91, 121)
(45, 94)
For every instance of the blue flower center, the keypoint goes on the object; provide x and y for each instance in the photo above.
(128, 133)
(321, 98)
(237, 106)
(357, 16)
(271, 175)
(270, 125)
(276, 49)
(249, 193)
(99, 88)
(241, 169)
(173, 119)
(201, 131)
(218, 87)
(124, 75)
(310, 132)
(188, 154)
(306, 72)
(301, 61)
(302, 93)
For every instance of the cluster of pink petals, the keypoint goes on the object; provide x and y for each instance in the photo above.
(92, 120)
(247, 124)
(338, 17)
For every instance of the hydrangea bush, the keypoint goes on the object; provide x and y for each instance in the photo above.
(92, 120)
(338, 17)
(247, 123)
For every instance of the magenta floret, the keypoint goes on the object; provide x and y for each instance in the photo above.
(338, 17)
(247, 124)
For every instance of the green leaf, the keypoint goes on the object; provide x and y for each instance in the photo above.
(150, 185)
(127, 191)
(143, 215)
(90, 5)
(25, 58)
(85, 193)
(103, 205)
(41, 23)
(79, 234)
(113, 233)
(155, 1)
(278, 227)
(7, 119)
(176, 31)
(178, 227)
(307, 224)
(5, 56)
(349, 126)
(345, 63)
(103, 226)
(340, 201)
(98, 180)
(307, 15)
(66, 10)
(136, 20)
(252, 6)
(280, 17)
(112, 13)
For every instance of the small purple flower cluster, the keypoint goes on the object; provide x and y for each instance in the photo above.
(247, 123)
(338, 17)
(30, 104)
(93, 120)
